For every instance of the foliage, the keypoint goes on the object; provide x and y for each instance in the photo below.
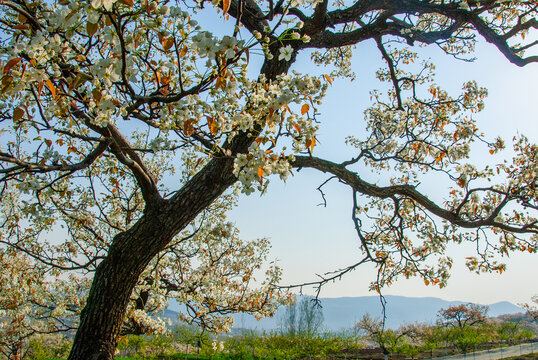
(467, 338)
(147, 346)
(45, 347)
(190, 335)
(389, 340)
(465, 326)
(133, 128)
(510, 331)
(286, 346)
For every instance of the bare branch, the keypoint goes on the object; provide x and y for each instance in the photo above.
(407, 191)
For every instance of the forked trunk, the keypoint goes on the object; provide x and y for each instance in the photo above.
(113, 283)
(130, 253)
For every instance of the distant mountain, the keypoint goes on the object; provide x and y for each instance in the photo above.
(342, 313)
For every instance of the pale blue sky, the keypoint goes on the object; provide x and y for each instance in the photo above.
(309, 239)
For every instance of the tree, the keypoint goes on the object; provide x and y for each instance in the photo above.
(464, 315)
(288, 320)
(465, 325)
(430, 337)
(467, 338)
(31, 305)
(389, 340)
(532, 311)
(133, 128)
(512, 331)
(303, 317)
(310, 317)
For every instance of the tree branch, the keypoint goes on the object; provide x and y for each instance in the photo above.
(408, 191)
(41, 168)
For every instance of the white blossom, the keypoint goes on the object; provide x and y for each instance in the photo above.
(285, 53)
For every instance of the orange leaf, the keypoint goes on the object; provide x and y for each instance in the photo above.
(260, 171)
(52, 89)
(304, 109)
(18, 113)
(212, 125)
(225, 6)
(129, 3)
(168, 43)
(312, 144)
(188, 127)
(40, 87)
(328, 79)
(183, 52)
(11, 63)
(48, 142)
(297, 128)
(427, 282)
(287, 107)
(165, 80)
(221, 83)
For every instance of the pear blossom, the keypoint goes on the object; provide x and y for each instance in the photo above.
(107, 4)
(285, 53)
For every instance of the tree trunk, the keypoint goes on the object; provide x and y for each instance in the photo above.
(131, 251)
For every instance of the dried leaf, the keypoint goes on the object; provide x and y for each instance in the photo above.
(129, 3)
(188, 127)
(18, 113)
(10, 64)
(91, 28)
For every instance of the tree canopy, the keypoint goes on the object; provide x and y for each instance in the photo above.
(460, 316)
(128, 131)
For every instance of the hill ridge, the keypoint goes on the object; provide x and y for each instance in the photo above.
(341, 313)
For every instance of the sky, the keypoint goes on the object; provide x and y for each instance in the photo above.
(308, 239)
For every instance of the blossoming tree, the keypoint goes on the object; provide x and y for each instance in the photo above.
(127, 132)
